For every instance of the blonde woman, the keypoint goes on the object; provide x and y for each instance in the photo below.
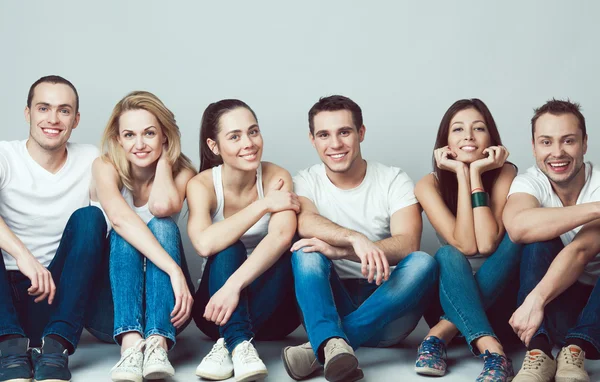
(140, 182)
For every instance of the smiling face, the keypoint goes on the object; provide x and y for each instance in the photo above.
(240, 142)
(559, 147)
(337, 140)
(141, 137)
(52, 115)
(468, 135)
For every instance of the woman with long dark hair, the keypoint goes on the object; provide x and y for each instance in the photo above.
(243, 219)
(464, 198)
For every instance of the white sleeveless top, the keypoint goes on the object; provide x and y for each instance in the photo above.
(143, 212)
(259, 230)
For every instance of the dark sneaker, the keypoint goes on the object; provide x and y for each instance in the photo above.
(51, 362)
(431, 357)
(15, 365)
(496, 368)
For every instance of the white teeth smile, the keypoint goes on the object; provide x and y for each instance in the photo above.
(51, 131)
(469, 148)
(141, 155)
(337, 156)
(562, 164)
(249, 156)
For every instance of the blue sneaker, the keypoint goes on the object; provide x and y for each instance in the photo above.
(431, 357)
(15, 365)
(496, 368)
(51, 362)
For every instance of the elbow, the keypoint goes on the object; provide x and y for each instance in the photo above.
(469, 250)
(515, 234)
(161, 209)
(486, 249)
(284, 238)
(202, 248)
(117, 221)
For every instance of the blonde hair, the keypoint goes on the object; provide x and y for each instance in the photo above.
(113, 152)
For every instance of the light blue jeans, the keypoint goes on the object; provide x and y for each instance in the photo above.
(358, 311)
(465, 297)
(144, 299)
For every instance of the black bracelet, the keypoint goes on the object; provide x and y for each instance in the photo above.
(480, 199)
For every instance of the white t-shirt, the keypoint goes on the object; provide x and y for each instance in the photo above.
(366, 209)
(36, 204)
(535, 182)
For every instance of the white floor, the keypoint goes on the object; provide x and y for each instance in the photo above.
(93, 359)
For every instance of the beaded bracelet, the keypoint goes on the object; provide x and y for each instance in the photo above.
(480, 199)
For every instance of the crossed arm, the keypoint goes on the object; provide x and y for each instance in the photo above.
(523, 212)
(133, 229)
(336, 242)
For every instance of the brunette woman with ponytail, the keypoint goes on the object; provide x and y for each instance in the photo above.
(464, 198)
(242, 219)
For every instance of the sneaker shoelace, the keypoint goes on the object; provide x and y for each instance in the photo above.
(129, 359)
(153, 351)
(533, 360)
(433, 346)
(572, 358)
(494, 361)
(53, 359)
(14, 360)
(247, 352)
(217, 354)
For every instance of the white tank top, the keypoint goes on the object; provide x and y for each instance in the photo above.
(143, 212)
(260, 229)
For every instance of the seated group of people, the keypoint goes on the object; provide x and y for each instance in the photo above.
(91, 240)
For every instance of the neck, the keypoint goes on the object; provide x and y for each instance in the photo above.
(51, 161)
(351, 178)
(142, 176)
(236, 180)
(569, 192)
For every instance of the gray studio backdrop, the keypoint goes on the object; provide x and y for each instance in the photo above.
(404, 62)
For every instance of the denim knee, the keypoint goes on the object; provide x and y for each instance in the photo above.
(88, 219)
(422, 266)
(163, 228)
(450, 257)
(235, 252)
(309, 262)
(540, 253)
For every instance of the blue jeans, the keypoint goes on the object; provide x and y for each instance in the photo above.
(465, 297)
(358, 311)
(266, 310)
(80, 272)
(573, 314)
(144, 299)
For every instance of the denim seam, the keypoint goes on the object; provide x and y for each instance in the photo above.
(12, 331)
(126, 329)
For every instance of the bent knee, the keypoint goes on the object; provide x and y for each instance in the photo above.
(309, 261)
(448, 254)
(90, 216)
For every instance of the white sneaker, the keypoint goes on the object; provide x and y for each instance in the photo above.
(217, 364)
(247, 365)
(156, 361)
(129, 367)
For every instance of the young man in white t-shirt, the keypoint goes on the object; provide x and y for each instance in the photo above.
(554, 208)
(358, 220)
(52, 244)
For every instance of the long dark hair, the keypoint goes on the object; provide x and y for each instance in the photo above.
(209, 128)
(446, 180)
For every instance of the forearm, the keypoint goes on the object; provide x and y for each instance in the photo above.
(314, 225)
(541, 224)
(563, 272)
(464, 230)
(266, 253)
(484, 222)
(164, 199)
(225, 233)
(133, 230)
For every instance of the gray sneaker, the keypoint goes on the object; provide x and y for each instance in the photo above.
(300, 361)
(569, 365)
(340, 361)
(537, 367)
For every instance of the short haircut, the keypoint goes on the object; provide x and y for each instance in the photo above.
(335, 103)
(559, 107)
(53, 79)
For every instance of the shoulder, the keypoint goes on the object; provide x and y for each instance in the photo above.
(103, 166)
(271, 170)
(311, 173)
(83, 149)
(389, 173)
(426, 183)
(203, 179)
